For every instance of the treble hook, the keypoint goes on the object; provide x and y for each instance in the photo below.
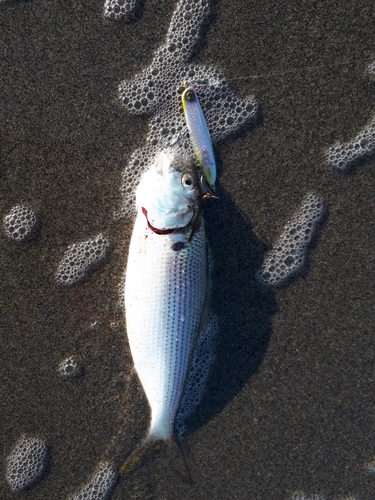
(174, 141)
(161, 141)
(206, 191)
(207, 196)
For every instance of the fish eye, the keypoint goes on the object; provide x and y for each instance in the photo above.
(187, 181)
(189, 95)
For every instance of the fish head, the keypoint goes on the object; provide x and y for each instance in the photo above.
(170, 191)
(181, 179)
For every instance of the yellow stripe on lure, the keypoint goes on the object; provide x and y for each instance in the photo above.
(199, 135)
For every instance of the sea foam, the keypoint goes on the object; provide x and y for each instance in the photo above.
(100, 485)
(26, 463)
(157, 90)
(119, 9)
(288, 254)
(70, 368)
(81, 258)
(345, 154)
(21, 224)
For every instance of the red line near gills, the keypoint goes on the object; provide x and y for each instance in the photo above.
(155, 229)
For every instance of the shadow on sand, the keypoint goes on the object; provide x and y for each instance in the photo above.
(244, 307)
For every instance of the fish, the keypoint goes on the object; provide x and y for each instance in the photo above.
(199, 134)
(166, 288)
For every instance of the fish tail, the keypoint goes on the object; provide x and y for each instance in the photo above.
(173, 451)
(177, 460)
(144, 447)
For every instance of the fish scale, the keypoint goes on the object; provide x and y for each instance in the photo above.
(165, 291)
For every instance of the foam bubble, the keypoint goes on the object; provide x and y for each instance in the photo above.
(95, 325)
(100, 485)
(157, 90)
(204, 355)
(81, 258)
(26, 462)
(346, 154)
(289, 252)
(70, 368)
(118, 9)
(21, 224)
(343, 155)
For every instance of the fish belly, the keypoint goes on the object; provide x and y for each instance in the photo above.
(165, 291)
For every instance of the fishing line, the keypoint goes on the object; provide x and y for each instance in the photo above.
(289, 71)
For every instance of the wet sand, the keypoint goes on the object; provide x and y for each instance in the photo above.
(290, 403)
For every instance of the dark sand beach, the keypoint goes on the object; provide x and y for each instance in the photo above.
(289, 407)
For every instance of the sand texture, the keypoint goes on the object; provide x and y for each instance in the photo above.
(289, 405)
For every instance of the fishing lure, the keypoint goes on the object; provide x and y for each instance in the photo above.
(199, 135)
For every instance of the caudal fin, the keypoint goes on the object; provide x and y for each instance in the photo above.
(136, 456)
(173, 451)
(177, 460)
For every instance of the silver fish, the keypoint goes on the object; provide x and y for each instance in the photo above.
(166, 289)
